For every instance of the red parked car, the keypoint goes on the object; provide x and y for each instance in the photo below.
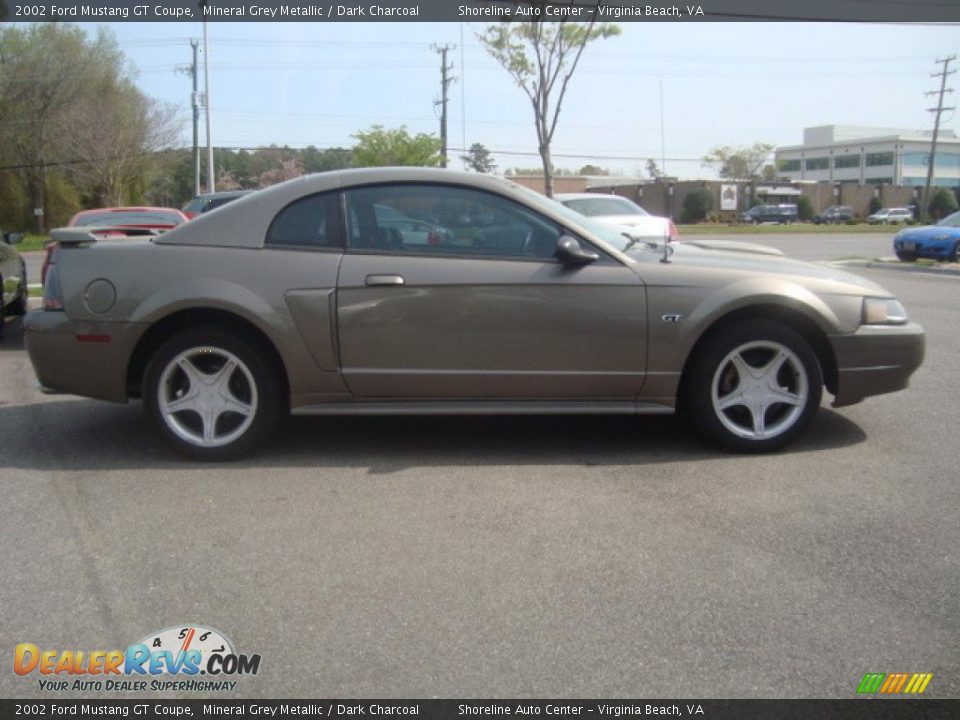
(119, 222)
(118, 218)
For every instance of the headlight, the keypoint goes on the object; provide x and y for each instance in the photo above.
(883, 311)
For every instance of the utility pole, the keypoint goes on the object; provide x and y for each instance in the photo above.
(445, 81)
(938, 111)
(195, 102)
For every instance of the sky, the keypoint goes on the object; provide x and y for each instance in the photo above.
(302, 84)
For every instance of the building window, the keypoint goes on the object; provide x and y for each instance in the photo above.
(821, 163)
(846, 161)
(879, 159)
(789, 166)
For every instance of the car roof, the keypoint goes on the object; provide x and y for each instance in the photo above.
(585, 196)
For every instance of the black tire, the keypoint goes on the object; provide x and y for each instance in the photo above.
(255, 381)
(799, 377)
(955, 253)
(906, 257)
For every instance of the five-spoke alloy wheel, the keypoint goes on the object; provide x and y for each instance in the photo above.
(754, 385)
(212, 393)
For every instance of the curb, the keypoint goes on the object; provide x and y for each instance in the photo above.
(896, 266)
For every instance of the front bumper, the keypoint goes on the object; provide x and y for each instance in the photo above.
(876, 360)
(80, 358)
(934, 249)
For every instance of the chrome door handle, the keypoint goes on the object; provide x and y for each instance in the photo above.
(384, 280)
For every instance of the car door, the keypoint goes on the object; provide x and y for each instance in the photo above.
(486, 313)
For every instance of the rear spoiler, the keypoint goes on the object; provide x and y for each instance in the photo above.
(88, 235)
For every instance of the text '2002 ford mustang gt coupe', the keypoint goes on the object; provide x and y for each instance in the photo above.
(310, 297)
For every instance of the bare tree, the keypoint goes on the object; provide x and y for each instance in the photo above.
(741, 162)
(541, 57)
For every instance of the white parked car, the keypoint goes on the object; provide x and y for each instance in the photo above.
(889, 216)
(620, 212)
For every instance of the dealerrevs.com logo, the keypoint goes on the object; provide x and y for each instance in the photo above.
(180, 658)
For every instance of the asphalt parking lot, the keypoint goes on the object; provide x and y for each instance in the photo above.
(564, 557)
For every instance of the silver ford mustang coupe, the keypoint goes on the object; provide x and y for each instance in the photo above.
(419, 291)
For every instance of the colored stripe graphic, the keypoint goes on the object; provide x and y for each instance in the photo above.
(894, 683)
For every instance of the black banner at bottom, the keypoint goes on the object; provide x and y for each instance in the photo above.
(854, 709)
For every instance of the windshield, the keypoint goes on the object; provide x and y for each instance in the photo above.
(609, 205)
(950, 220)
(109, 219)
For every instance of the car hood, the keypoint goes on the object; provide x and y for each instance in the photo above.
(734, 246)
(691, 256)
(644, 225)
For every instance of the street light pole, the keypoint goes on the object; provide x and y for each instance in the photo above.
(211, 184)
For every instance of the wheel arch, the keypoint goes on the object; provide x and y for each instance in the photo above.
(170, 324)
(788, 315)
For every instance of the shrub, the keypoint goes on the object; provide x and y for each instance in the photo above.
(875, 204)
(804, 208)
(696, 205)
(852, 221)
(942, 204)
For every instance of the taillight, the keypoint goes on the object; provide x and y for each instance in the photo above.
(674, 233)
(52, 298)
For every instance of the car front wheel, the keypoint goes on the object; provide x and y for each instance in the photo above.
(754, 386)
(212, 393)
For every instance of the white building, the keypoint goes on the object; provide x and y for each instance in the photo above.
(870, 156)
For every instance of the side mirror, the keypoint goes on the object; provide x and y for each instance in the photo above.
(13, 238)
(569, 252)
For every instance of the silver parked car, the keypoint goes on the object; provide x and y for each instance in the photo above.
(307, 298)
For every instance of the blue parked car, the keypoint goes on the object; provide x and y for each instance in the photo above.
(940, 241)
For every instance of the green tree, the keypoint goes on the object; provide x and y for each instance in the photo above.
(74, 123)
(379, 147)
(653, 170)
(696, 205)
(804, 208)
(541, 57)
(874, 205)
(478, 159)
(942, 203)
(740, 162)
(593, 170)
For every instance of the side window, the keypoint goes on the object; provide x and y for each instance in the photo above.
(443, 220)
(310, 222)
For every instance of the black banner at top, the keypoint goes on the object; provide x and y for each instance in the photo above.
(937, 11)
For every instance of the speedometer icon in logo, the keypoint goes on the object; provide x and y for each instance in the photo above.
(193, 645)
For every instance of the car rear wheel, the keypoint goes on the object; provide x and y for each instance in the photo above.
(955, 253)
(213, 395)
(754, 386)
